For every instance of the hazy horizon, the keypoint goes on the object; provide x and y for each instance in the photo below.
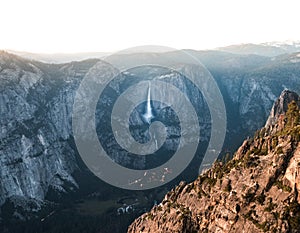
(271, 43)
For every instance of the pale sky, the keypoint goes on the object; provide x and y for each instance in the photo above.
(69, 26)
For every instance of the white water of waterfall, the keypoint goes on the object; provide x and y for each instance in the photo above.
(148, 115)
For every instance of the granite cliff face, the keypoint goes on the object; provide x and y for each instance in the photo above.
(37, 152)
(256, 191)
(35, 109)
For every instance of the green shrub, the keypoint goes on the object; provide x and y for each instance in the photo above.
(285, 188)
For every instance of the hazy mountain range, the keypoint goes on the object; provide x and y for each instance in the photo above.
(269, 49)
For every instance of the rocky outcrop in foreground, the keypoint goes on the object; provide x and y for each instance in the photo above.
(256, 191)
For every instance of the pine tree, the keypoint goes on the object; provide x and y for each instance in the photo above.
(292, 115)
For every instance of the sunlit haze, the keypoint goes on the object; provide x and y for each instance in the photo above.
(67, 26)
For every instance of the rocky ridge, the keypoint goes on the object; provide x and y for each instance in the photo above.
(256, 191)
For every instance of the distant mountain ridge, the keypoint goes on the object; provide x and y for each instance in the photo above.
(270, 49)
(59, 57)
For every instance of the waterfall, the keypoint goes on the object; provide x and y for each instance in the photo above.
(148, 114)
